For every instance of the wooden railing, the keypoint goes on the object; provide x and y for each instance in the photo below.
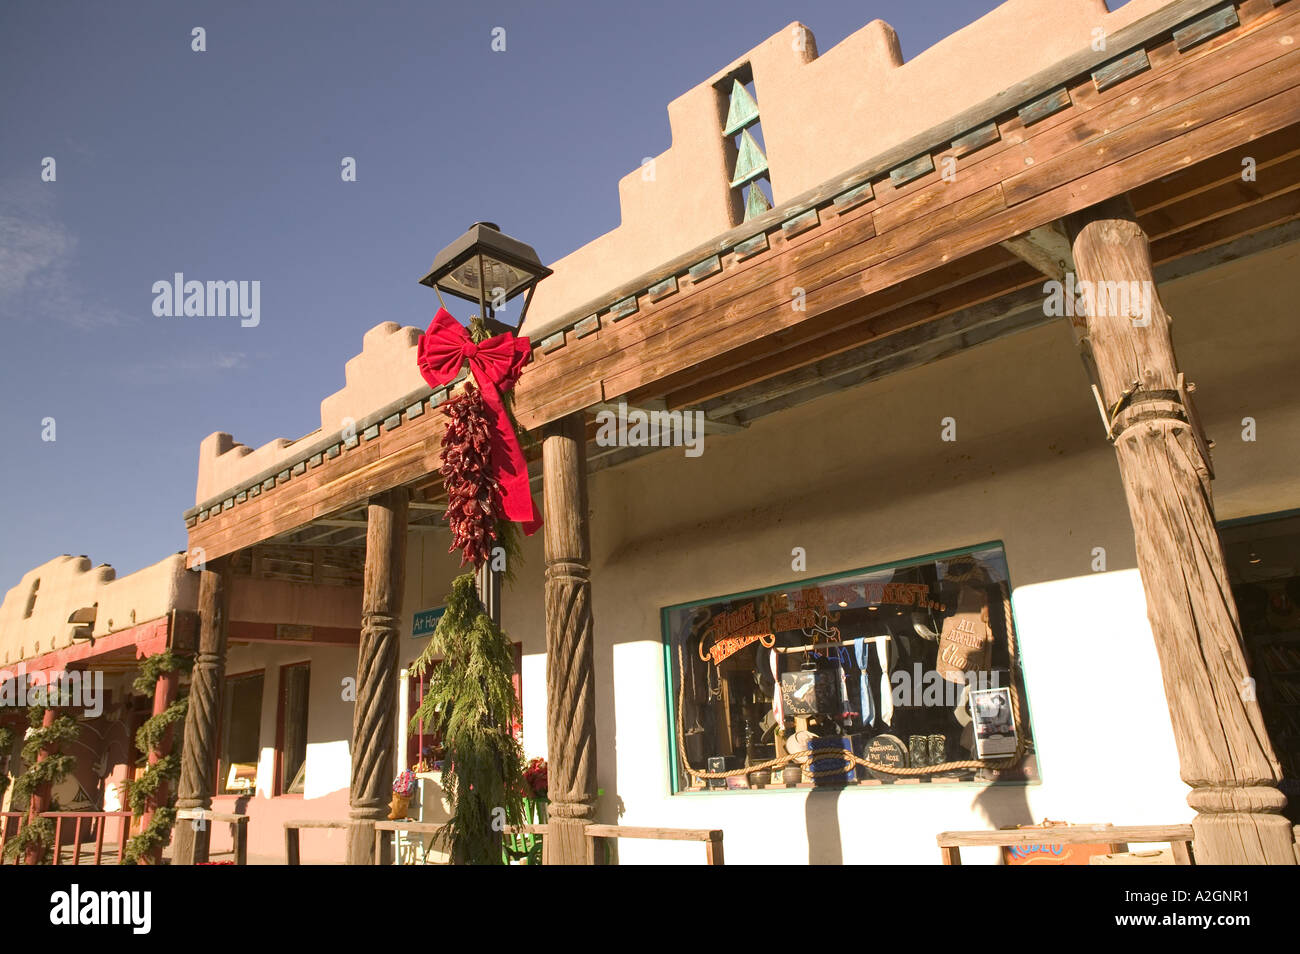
(99, 822)
(712, 838)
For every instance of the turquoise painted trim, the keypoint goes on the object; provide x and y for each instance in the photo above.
(665, 638)
(1258, 518)
(673, 787)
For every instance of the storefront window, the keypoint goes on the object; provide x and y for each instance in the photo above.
(241, 736)
(291, 748)
(868, 678)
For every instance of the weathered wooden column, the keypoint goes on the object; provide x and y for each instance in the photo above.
(207, 683)
(164, 693)
(374, 724)
(1223, 749)
(40, 800)
(570, 700)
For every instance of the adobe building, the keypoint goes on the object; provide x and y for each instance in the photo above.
(73, 634)
(864, 274)
(922, 312)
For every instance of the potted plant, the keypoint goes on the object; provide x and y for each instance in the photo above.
(403, 789)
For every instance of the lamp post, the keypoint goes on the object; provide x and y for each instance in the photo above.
(488, 268)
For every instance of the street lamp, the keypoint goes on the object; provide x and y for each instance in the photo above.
(487, 267)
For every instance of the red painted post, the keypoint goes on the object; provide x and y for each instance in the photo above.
(40, 798)
(164, 692)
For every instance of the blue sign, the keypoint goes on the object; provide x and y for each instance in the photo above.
(426, 621)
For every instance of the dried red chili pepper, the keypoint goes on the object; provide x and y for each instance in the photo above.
(473, 495)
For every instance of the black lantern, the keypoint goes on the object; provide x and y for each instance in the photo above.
(487, 267)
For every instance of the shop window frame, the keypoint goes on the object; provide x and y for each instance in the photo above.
(1033, 757)
(219, 781)
(278, 790)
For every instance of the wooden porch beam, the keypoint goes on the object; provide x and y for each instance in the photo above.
(1045, 248)
(199, 754)
(1223, 746)
(570, 683)
(374, 718)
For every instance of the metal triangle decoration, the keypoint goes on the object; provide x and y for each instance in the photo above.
(750, 161)
(756, 202)
(743, 110)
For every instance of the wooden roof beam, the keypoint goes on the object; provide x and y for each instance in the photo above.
(1045, 248)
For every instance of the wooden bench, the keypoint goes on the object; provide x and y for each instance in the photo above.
(712, 838)
(293, 828)
(1116, 838)
(239, 821)
(382, 828)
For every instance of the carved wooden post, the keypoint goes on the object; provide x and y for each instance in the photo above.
(40, 800)
(164, 693)
(570, 701)
(199, 751)
(374, 719)
(1223, 748)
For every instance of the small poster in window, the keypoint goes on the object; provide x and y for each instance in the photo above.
(995, 730)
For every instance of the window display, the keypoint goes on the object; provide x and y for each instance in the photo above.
(906, 672)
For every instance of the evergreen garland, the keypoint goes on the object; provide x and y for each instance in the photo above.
(39, 832)
(140, 849)
(471, 702)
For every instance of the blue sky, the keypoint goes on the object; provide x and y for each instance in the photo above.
(225, 165)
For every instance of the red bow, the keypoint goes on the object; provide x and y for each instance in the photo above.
(495, 365)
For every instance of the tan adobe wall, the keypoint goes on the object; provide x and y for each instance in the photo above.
(384, 371)
(821, 115)
(68, 584)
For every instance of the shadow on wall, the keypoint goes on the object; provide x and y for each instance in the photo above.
(822, 820)
(1004, 806)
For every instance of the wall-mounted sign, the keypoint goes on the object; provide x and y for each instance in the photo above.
(426, 621)
(292, 631)
(730, 645)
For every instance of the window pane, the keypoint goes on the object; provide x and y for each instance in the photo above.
(876, 666)
(293, 717)
(241, 740)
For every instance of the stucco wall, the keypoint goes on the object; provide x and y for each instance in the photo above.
(329, 733)
(71, 583)
(821, 115)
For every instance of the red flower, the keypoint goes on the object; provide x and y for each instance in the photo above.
(535, 777)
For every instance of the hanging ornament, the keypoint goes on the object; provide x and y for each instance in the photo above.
(483, 467)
